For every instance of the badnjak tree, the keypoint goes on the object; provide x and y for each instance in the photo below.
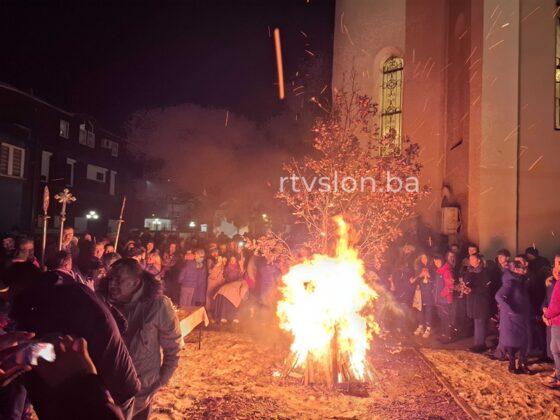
(353, 171)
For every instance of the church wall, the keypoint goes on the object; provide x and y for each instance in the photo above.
(492, 177)
(424, 108)
(366, 34)
(463, 66)
(539, 162)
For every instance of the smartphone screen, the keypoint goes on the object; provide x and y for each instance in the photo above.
(30, 355)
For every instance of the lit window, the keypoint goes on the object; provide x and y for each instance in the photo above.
(71, 165)
(96, 173)
(64, 129)
(111, 145)
(391, 103)
(112, 179)
(12, 160)
(86, 136)
(82, 138)
(91, 139)
(45, 165)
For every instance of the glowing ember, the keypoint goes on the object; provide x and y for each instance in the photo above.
(279, 65)
(321, 305)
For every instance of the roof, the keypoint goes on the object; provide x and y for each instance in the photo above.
(11, 88)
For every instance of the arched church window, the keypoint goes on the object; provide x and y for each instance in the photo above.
(391, 103)
(557, 78)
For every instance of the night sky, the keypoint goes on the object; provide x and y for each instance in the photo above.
(108, 59)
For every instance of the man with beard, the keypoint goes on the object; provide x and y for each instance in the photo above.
(153, 327)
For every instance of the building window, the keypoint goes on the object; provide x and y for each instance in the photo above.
(12, 160)
(71, 163)
(64, 129)
(111, 145)
(157, 224)
(96, 173)
(45, 165)
(391, 104)
(87, 136)
(557, 78)
(112, 180)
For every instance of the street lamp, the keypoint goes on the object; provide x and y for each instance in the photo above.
(92, 215)
(192, 224)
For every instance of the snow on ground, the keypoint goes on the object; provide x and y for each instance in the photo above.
(492, 391)
(232, 377)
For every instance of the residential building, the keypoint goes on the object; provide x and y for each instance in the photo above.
(42, 144)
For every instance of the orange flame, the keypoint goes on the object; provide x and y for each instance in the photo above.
(322, 300)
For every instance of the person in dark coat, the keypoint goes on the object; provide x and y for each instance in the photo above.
(62, 267)
(193, 280)
(496, 270)
(425, 283)
(515, 309)
(472, 249)
(401, 276)
(478, 300)
(537, 273)
(46, 307)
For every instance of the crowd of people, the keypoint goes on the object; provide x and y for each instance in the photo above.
(112, 316)
(456, 294)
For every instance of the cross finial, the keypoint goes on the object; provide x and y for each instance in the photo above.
(65, 196)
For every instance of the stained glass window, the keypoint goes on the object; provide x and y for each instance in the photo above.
(557, 78)
(391, 103)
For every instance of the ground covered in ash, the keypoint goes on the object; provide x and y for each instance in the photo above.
(233, 377)
(494, 393)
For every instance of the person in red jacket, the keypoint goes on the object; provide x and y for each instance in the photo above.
(443, 298)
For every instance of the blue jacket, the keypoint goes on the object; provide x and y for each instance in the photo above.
(515, 309)
(195, 277)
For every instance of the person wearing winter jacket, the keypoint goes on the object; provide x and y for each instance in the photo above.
(41, 304)
(515, 310)
(193, 280)
(153, 335)
(443, 296)
(478, 300)
(550, 282)
(551, 318)
(424, 282)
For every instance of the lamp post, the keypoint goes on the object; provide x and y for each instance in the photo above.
(92, 215)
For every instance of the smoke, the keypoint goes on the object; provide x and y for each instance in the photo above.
(219, 154)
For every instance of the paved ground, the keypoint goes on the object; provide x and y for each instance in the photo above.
(235, 376)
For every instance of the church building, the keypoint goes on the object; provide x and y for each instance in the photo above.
(477, 84)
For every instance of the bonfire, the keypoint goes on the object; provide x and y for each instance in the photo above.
(322, 306)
